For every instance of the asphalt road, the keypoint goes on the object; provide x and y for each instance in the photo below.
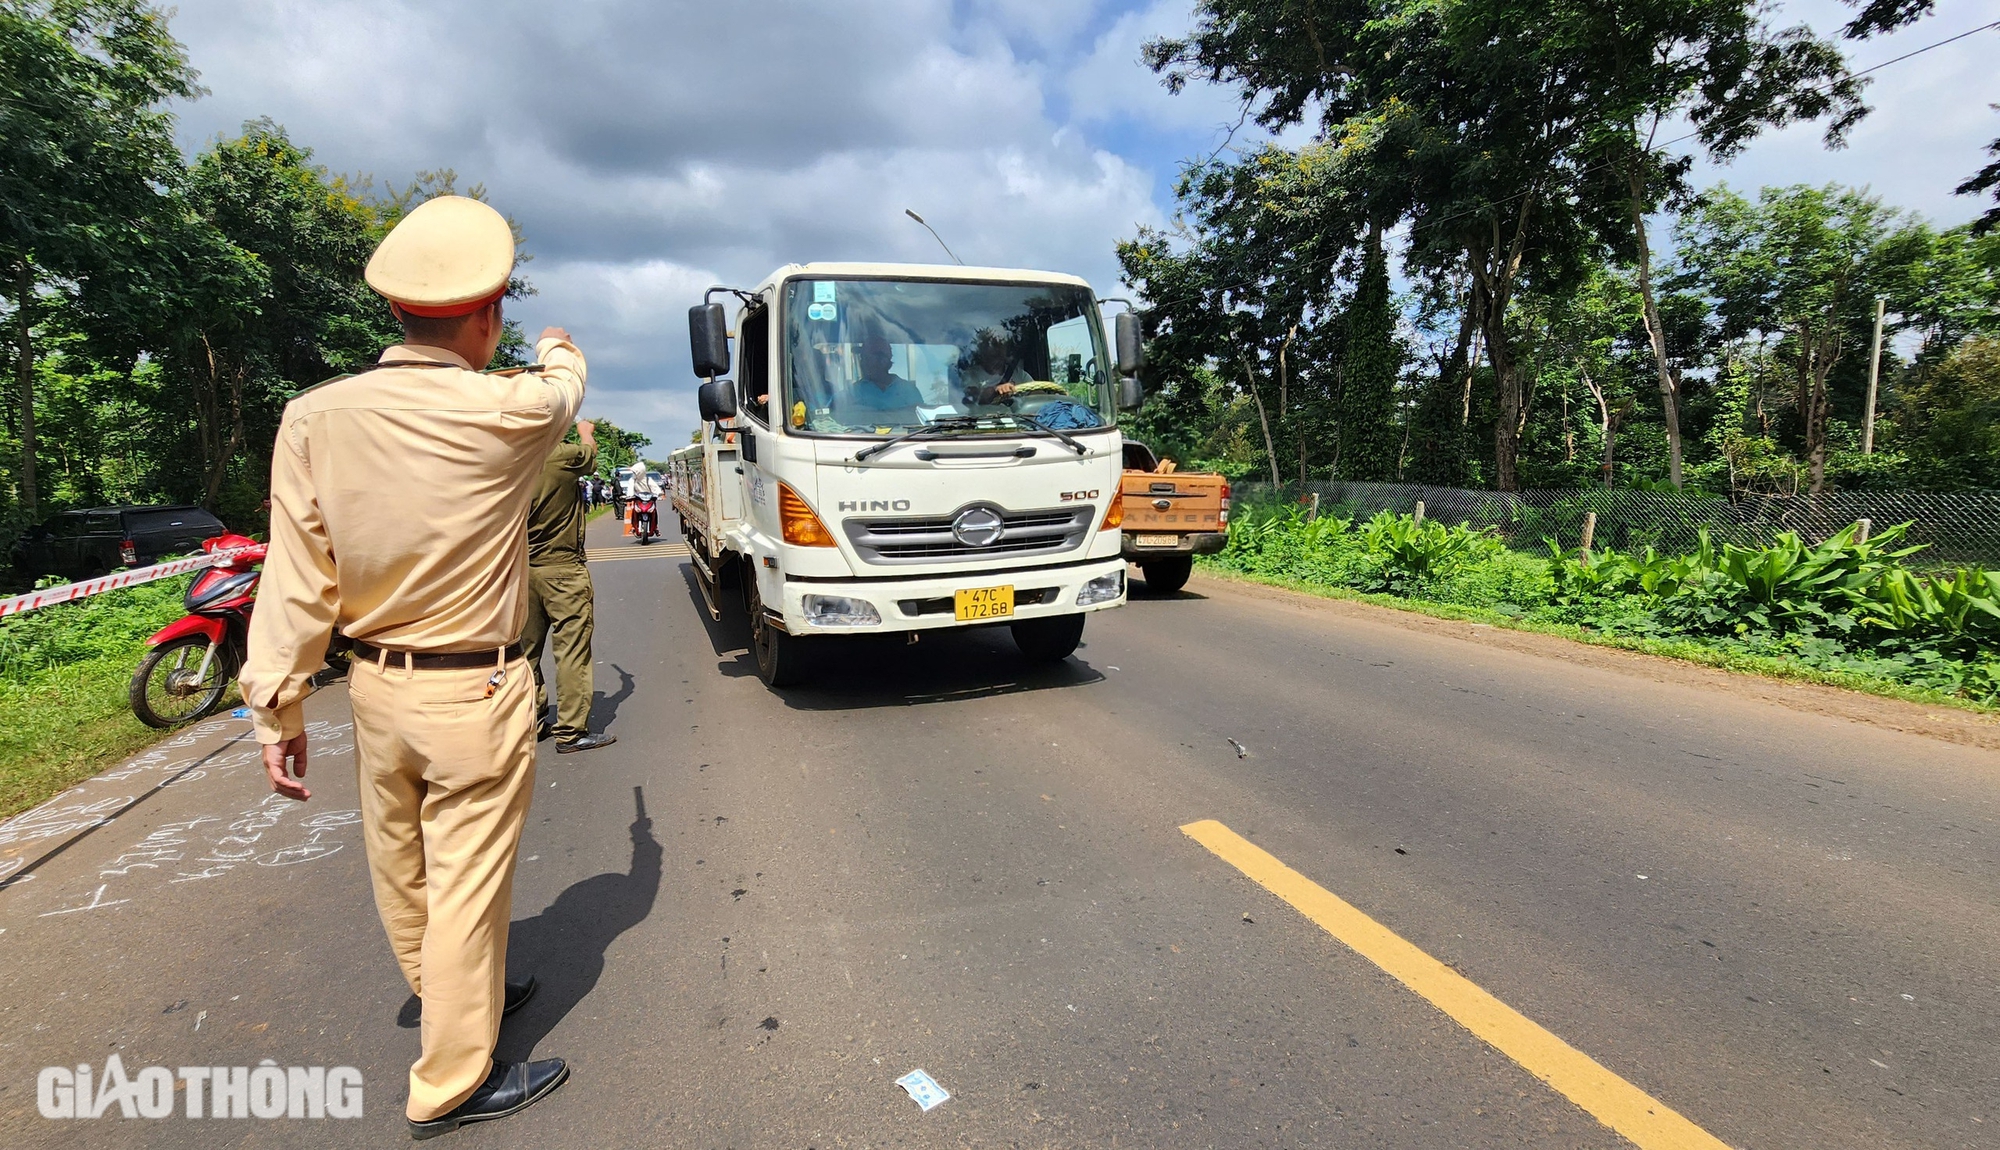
(759, 909)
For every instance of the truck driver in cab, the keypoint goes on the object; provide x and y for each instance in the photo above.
(879, 398)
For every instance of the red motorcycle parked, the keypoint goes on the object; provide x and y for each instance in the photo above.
(192, 662)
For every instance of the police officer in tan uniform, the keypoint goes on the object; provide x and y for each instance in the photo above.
(399, 505)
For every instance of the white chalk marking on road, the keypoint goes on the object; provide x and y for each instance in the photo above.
(96, 902)
(1643, 1120)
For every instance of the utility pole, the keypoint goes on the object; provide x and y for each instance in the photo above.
(1874, 373)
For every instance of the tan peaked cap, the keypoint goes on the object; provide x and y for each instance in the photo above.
(451, 256)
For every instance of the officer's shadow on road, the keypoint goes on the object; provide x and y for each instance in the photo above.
(603, 707)
(564, 945)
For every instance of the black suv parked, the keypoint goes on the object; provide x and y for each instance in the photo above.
(80, 544)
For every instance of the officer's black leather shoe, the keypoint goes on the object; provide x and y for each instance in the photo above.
(518, 994)
(511, 1088)
(544, 732)
(588, 742)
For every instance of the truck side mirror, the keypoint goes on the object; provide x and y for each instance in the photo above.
(1131, 393)
(1131, 344)
(716, 398)
(708, 339)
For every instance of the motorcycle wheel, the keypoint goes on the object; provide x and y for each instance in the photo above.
(165, 692)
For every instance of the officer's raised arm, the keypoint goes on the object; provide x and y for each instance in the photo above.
(562, 371)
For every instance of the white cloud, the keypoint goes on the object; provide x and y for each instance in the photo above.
(1111, 82)
(648, 150)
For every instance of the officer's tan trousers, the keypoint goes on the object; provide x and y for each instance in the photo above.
(446, 777)
(559, 600)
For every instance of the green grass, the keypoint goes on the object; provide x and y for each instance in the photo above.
(63, 677)
(1686, 650)
(69, 725)
(1816, 614)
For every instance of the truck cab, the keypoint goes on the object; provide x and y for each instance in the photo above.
(907, 448)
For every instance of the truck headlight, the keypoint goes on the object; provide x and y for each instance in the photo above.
(840, 611)
(1102, 589)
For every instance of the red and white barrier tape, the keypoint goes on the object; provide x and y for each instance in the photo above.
(49, 597)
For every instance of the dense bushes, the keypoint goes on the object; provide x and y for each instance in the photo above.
(113, 625)
(1841, 605)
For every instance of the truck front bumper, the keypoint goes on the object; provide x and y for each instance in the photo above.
(928, 603)
(1192, 543)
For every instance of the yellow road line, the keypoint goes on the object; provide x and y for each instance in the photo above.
(630, 558)
(633, 558)
(1638, 1116)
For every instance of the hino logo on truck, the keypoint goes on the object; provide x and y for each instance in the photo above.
(874, 505)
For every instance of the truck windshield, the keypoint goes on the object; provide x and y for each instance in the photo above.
(882, 357)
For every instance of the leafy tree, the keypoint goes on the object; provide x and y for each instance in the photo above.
(1800, 268)
(1370, 443)
(1589, 355)
(617, 448)
(301, 241)
(1950, 419)
(87, 159)
(1247, 285)
(1482, 122)
(1986, 179)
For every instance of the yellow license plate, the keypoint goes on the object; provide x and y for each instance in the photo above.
(976, 603)
(1159, 540)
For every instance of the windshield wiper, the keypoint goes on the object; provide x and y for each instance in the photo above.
(931, 430)
(1027, 424)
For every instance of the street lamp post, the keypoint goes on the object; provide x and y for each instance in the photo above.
(935, 236)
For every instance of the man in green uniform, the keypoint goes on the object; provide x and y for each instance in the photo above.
(559, 595)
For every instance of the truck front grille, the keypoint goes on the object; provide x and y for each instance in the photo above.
(928, 539)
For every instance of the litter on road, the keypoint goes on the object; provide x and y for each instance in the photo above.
(923, 1089)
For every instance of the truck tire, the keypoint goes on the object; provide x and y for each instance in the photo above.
(1166, 576)
(780, 656)
(1048, 640)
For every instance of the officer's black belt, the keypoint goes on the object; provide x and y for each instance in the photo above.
(433, 661)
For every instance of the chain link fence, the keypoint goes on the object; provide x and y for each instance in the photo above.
(1962, 528)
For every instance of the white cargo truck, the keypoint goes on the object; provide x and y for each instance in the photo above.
(904, 448)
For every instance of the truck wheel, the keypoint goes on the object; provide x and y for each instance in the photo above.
(1166, 576)
(780, 656)
(1048, 640)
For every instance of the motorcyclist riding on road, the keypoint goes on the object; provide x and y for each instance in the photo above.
(645, 495)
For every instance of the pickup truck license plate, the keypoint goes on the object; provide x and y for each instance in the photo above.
(1159, 540)
(983, 603)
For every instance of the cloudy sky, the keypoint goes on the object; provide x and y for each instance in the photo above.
(650, 148)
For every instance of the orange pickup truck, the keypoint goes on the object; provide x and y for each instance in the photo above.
(1171, 516)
